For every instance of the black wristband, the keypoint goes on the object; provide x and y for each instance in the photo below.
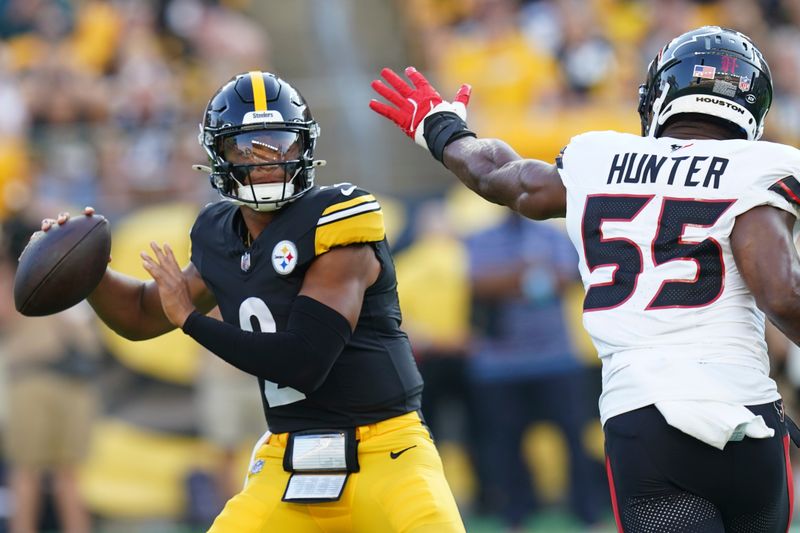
(443, 128)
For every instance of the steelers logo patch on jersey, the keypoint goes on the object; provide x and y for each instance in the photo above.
(284, 257)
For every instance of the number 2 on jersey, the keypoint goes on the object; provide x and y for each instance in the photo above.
(667, 245)
(257, 309)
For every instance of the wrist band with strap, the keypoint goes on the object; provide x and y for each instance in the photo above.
(441, 129)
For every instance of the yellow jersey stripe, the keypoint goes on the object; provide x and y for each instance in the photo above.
(349, 212)
(349, 203)
(359, 228)
(259, 91)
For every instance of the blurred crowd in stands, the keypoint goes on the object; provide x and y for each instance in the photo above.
(99, 105)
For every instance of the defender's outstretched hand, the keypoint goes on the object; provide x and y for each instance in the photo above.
(412, 105)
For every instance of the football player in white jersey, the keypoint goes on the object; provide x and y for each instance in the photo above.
(685, 239)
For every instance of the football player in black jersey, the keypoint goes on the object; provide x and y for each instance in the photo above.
(306, 286)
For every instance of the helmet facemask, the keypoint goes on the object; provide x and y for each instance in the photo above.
(263, 168)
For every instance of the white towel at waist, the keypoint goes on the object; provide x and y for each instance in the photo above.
(715, 423)
(259, 443)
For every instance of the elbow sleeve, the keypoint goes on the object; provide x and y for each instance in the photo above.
(300, 357)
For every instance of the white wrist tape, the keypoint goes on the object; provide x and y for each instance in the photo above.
(456, 107)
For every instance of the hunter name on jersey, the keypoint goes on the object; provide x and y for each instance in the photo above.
(652, 219)
(690, 171)
(376, 368)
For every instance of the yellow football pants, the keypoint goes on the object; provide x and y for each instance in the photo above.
(406, 494)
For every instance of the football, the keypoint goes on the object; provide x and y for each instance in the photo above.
(60, 267)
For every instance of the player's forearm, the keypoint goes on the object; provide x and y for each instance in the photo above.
(129, 306)
(480, 165)
(496, 172)
(764, 251)
(788, 328)
(300, 357)
(776, 289)
(784, 310)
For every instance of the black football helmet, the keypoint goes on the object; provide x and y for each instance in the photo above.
(712, 71)
(260, 136)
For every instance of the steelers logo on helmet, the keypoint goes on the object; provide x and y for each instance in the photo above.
(712, 71)
(284, 257)
(260, 136)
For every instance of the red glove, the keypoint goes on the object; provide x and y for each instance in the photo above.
(412, 105)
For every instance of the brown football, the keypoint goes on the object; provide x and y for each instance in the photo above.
(61, 266)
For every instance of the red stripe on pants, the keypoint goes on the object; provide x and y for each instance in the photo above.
(614, 503)
(789, 479)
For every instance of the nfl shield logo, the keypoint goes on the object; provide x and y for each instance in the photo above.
(245, 262)
(744, 84)
(257, 466)
(284, 257)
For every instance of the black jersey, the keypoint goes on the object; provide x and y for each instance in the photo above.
(375, 377)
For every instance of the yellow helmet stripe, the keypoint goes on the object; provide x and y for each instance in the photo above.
(259, 91)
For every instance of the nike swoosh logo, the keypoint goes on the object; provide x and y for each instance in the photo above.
(395, 455)
(348, 191)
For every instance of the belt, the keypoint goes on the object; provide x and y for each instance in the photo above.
(362, 432)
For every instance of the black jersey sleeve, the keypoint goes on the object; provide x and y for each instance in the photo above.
(299, 357)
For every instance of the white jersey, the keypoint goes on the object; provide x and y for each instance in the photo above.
(665, 305)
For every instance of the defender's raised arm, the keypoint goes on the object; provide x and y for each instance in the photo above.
(489, 167)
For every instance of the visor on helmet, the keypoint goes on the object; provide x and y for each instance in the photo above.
(261, 147)
(264, 164)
